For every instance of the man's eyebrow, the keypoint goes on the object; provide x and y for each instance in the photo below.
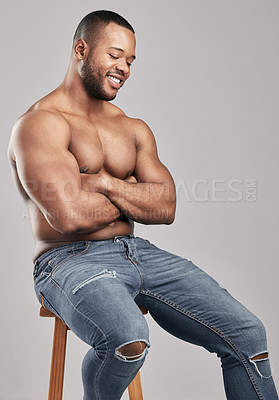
(117, 48)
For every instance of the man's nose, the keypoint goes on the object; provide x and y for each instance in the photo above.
(123, 66)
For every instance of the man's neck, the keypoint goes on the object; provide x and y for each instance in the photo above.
(78, 99)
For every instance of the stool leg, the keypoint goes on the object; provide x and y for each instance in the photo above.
(57, 360)
(135, 391)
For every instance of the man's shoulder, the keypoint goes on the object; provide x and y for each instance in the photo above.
(43, 112)
(40, 116)
(38, 123)
(121, 115)
(40, 120)
(137, 127)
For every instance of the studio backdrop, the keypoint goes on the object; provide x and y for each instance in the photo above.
(206, 82)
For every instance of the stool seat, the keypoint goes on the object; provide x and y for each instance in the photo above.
(58, 360)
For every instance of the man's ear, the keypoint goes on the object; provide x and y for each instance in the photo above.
(81, 49)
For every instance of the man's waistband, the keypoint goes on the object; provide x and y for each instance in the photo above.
(115, 239)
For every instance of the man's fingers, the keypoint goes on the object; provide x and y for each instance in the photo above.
(131, 179)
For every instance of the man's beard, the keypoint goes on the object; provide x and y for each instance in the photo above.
(92, 81)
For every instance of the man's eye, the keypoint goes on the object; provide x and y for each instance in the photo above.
(114, 57)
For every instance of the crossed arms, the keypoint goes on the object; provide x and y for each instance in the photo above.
(50, 176)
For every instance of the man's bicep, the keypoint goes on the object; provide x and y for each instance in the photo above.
(148, 167)
(47, 170)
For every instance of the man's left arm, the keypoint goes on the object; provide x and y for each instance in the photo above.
(150, 198)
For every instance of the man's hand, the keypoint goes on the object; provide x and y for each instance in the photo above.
(97, 183)
(131, 179)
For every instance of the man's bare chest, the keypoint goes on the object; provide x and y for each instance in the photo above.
(104, 147)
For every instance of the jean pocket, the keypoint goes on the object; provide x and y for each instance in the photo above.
(76, 250)
(57, 256)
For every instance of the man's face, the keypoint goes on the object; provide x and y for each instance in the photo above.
(107, 66)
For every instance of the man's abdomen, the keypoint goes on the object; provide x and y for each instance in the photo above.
(47, 238)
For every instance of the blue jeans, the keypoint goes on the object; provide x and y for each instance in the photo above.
(95, 287)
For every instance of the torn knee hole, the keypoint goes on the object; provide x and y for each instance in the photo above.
(131, 351)
(261, 364)
(262, 356)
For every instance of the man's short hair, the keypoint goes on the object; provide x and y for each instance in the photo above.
(90, 26)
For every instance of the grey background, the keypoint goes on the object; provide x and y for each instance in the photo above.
(206, 81)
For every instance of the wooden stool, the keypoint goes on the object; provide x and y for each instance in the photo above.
(58, 361)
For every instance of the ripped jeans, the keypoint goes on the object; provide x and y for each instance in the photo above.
(95, 287)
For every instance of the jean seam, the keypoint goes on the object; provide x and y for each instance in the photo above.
(44, 300)
(92, 322)
(57, 255)
(36, 279)
(136, 265)
(136, 292)
(217, 331)
(140, 273)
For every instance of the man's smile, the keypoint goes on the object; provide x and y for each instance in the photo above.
(115, 80)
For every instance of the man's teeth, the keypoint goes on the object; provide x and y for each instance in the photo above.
(114, 79)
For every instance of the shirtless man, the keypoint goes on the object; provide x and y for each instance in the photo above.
(87, 172)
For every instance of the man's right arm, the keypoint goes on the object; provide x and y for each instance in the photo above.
(50, 176)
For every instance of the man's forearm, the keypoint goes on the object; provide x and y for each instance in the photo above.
(88, 213)
(148, 203)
